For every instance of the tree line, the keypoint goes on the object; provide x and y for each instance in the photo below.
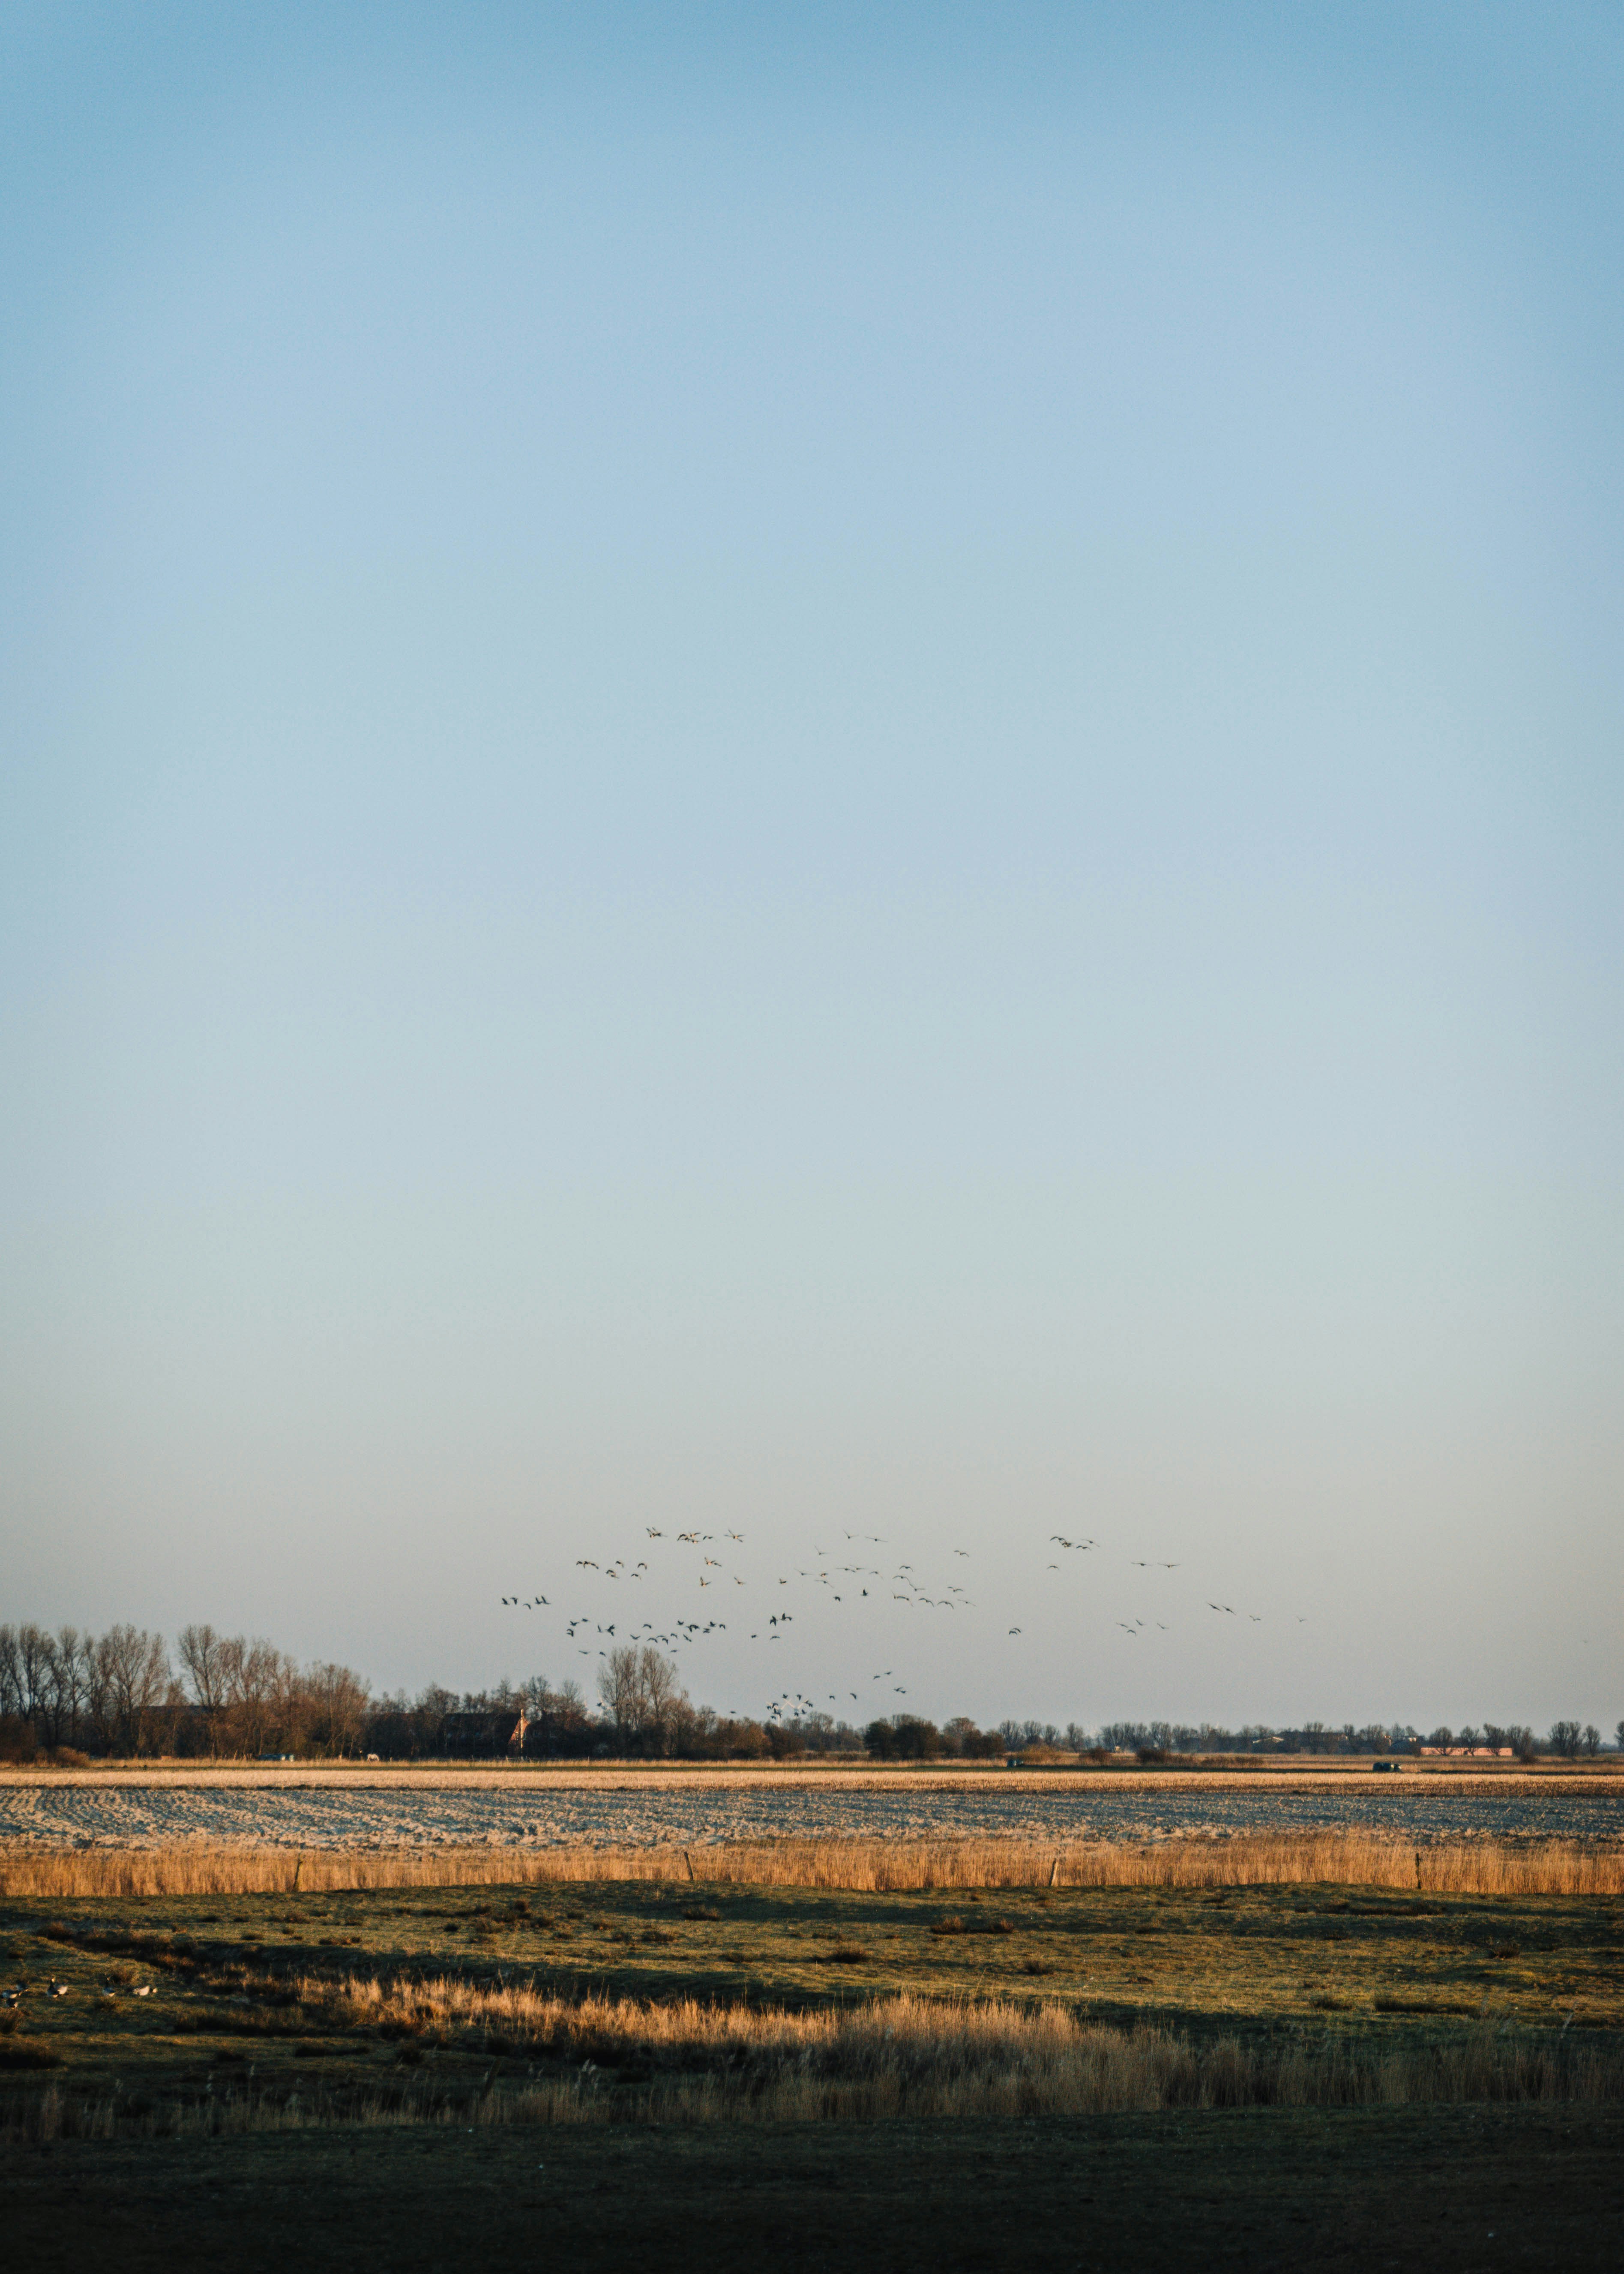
(1567, 1739)
(122, 1693)
(73, 1694)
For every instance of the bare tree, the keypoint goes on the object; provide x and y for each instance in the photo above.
(71, 1653)
(133, 1671)
(640, 1688)
(618, 1686)
(43, 1679)
(663, 1693)
(205, 1661)
(36, 1654)
(336, 1703)
(255, 1670)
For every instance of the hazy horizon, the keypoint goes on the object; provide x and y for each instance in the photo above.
(796, 773)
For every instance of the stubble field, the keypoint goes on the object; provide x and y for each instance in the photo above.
(355, 1809)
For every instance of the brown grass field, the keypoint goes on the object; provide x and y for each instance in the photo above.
(818, 2050)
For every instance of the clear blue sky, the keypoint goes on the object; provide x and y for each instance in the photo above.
(800, 770)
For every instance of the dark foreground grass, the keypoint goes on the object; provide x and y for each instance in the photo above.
(1453, 2190)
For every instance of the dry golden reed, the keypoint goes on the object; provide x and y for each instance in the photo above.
(893, 2058)
(1257, 1859)
(917, 2056)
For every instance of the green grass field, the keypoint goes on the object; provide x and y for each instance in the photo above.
(612, 2058)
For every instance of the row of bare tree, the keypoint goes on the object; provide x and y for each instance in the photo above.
(237, 1696)
(120, 1692)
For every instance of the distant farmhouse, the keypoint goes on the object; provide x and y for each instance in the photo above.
(485, 1735)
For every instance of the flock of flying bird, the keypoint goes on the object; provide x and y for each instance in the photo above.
(846, 1583)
